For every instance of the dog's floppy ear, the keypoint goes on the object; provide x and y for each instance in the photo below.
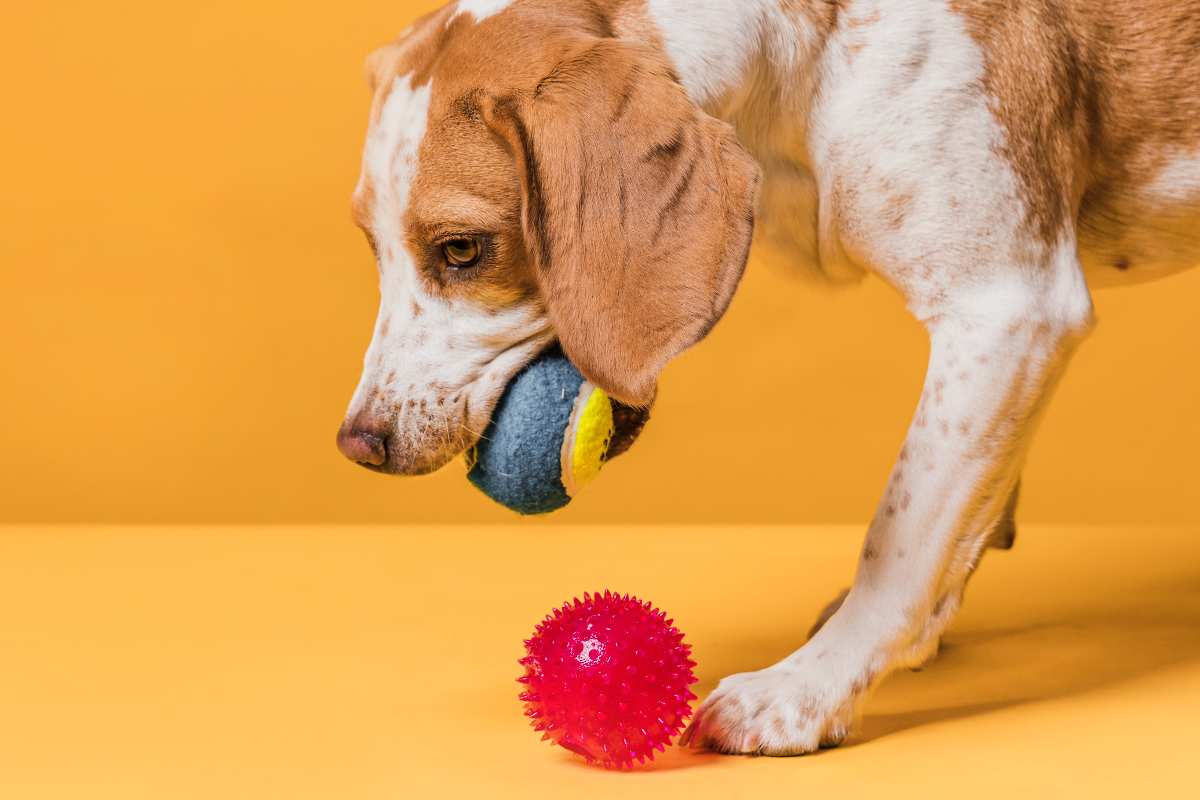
(638, 210)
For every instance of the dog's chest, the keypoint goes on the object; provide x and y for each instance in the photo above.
(794, 226)
(786, 231)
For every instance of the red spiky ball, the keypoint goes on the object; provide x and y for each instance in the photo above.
(607, 677)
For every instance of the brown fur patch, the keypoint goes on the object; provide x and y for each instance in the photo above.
(637, 209)
(1091, 95)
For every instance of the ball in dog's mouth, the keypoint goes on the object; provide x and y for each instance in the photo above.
(551, 433)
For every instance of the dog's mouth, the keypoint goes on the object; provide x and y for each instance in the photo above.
(409, 469)
(421, 441)
(628, 423)
(425, 435)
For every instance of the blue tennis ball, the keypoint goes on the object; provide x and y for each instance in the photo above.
(549, 435)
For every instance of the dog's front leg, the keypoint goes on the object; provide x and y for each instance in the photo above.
(995, 356)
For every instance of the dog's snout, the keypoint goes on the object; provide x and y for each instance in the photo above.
(362, 445)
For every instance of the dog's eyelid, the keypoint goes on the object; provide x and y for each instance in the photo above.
(459, 211)
(449, 233)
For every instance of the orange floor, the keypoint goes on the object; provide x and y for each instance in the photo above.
(379, 663)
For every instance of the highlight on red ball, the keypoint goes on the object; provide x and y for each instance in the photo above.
(607, 677)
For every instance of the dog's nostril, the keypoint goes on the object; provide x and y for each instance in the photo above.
(362, 446)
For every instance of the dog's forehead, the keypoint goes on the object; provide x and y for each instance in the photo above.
(489, 46)
(486, 45)
(425, 139)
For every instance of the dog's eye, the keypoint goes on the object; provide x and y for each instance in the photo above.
(462, 253)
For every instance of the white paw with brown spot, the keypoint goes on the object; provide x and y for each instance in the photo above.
(784, 710)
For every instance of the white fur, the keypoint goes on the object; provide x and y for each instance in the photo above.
(390, 156)
(714, 42)
(1178, 181)
(481, 9)
(926, 142)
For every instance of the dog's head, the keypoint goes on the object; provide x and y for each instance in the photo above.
(529, 177)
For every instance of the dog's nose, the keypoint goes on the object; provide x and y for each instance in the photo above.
(362, 446)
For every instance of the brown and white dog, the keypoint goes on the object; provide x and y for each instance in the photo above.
(590, 171)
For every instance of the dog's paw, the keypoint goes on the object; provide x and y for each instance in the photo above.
(780, 711)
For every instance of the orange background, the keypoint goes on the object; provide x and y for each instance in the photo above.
(187, 304)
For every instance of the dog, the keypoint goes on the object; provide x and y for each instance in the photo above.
(595, 171)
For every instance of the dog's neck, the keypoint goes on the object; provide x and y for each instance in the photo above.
(748, 62)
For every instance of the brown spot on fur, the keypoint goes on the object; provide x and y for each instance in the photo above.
(905, 502)
(854, 23)
(860, 684)
(870, 553)
(895, 209)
